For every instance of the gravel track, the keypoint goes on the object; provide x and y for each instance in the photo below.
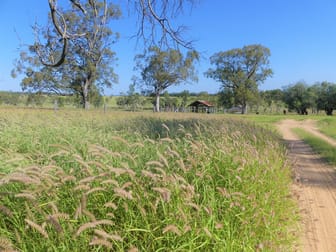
(314, 188)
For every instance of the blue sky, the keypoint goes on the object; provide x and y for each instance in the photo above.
(301, 35)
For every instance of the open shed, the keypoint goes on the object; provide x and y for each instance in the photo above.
(201, 106)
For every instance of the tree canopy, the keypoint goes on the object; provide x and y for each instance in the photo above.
(161, 69)
(154, 25)
(325, 94)
(89, 61)
(241, 70)
(299, 97)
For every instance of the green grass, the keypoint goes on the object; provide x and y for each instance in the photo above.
(327, 125)
(89, 181)
(326, 150)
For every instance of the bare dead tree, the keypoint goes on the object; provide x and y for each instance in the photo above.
(154, 26)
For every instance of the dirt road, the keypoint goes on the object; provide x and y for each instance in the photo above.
(315, 188)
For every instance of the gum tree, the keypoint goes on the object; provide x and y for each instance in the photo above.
(160, 69)
(240, 71)
(299, 97)
(89, 58)
(326, 94)
(154, 25)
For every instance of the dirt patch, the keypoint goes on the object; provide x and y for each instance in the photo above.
(314, 187)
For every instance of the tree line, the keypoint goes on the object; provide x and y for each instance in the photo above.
(73, 55)
(300, 98)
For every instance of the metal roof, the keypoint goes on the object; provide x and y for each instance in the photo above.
(201, 102)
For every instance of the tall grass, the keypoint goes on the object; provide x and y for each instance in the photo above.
(95, 182)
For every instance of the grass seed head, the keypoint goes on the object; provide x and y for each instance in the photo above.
(194, 206)
(6, 211)
(89, 214)
(120, 139)
(110, 181)
(207, 232)
(96, 189)
(103, 234)
(154, 163)
(23, 178)
(126, 185)
(164, 192)
(93, 224)
(68, 178)
(171, 229)
(37, 227)
(82, 187)
(5, 244)
(219, 226)
(54, 222)
(28, 196)
(123, 193)
(133, 249)
(101, 242)
(163, 159)
(111, 205)
(87, 180)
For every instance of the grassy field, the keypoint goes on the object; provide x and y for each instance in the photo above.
(94, 181)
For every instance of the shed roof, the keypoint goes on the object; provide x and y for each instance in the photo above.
(201, 103)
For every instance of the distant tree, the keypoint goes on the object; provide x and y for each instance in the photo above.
(326, 96)
(95, 97)
(203, 95)
(299, 97)
(35, 99)
(170, 103)
(226, 98)
(88, 65)
(121, 100)
(272, 98)
(185, 96)
(61, 101)
(10, 98)
(134, 100)
(162, 69)
(241, 71)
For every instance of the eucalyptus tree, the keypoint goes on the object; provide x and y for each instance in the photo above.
(300, 97)
(226, 98)
(326, 96)
(154, 24)
(272, 99)
(160, 69)
(240, 71)
(89, 58)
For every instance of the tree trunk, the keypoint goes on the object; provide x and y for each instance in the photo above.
(86, 103)
(157, 102)
(244, 109)
(329, 111)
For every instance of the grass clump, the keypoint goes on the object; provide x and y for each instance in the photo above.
(155, 184)
(327, 151)
(327, 126)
